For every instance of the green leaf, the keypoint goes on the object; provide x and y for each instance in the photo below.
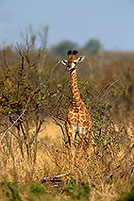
(59, 85)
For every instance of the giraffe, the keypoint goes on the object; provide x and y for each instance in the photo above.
(78, 119)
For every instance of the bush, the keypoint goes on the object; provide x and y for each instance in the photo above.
(93, 46)
(77, 191)
(129, 196)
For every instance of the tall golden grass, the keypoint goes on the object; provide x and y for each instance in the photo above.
(107, 165)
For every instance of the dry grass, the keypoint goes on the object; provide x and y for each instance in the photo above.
(108, 165)
(50, 130)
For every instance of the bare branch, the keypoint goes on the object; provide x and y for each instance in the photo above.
(14, 122)
(107, 90)
(61, 127)
(53, 71)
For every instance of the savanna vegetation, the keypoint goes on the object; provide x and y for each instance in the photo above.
(35, 87)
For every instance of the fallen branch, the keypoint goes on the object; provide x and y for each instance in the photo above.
(54, 177)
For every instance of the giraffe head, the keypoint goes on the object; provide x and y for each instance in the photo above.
(72, 61)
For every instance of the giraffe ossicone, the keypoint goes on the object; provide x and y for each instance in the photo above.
(78, 119)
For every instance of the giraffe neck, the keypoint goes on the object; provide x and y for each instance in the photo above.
(75, 90)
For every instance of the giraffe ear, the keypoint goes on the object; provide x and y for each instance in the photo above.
(64, 62)
(80, 59)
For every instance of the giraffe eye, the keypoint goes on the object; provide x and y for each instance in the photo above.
(75, 62)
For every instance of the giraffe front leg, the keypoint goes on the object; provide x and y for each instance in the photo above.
(71, 131)
(83, 138)
(82, 147)
(84, 133)
(87, 139)
(71, 140)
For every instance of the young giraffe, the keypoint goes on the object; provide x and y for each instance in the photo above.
(78, 119)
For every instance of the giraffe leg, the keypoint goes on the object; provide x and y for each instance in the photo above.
(84, 138)
(82, 144)
(87, 139)
(71, 132)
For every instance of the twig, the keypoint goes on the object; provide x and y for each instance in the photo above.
(53, 71)
(6, 64)
(64, 136)
(45, 82)
(106, 90)
(14, 122)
